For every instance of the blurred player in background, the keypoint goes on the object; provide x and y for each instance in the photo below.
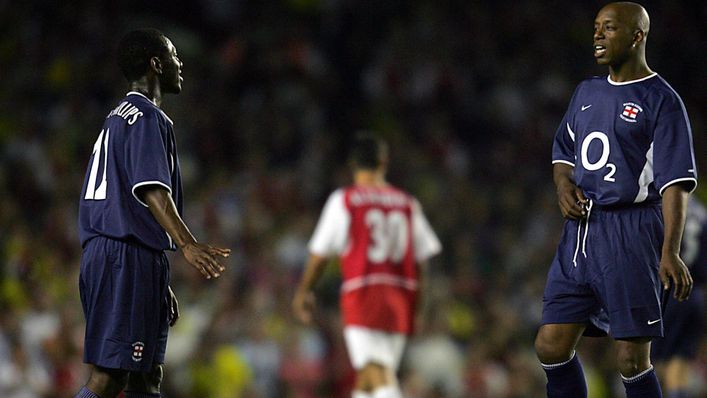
(623, 165)
(684, 322)
(129, 214)
(383, 240)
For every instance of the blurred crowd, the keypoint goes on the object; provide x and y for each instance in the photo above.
(468, 94)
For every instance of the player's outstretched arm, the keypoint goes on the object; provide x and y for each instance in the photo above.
(672, 268)
(201, 256)
(304, 301)
(569, 196)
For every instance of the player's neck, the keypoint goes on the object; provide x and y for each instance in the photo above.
(148, 88)
(630, 70)
(369, 178)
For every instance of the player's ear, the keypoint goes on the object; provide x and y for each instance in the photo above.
(638, 37)
(156, 65)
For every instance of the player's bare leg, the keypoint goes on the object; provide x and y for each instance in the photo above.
(633, 355)
(104, 383)
(377, 381)
(633, 360)
(554, 346)
(556, 342)
(145, 382)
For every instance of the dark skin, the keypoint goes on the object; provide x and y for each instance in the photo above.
(163, 76)
(620, 31)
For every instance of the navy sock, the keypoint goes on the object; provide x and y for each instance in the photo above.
(643, 385)
(566, 379)
(131, 394)
(86, 393)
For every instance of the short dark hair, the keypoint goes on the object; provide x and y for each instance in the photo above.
(135, 50)
(368, 152)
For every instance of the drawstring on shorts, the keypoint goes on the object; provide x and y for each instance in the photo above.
(588, 207)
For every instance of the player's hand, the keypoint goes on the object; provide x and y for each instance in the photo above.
(205, 258)
(303, 305)
(673, 270)
(571, 200)
(173, 307)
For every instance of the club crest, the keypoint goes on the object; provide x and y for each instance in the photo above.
(138, 349)
(630, 112)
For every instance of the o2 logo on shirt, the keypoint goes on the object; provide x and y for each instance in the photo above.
(603, 160)
(389, 235)
(101, 145)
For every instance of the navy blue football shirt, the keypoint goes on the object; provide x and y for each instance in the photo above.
(626, 141)
(136, 147)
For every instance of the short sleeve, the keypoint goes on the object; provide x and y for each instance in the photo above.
(425, 241)
(673, 153)
(331, 234)
(563, 144)
(147, 161)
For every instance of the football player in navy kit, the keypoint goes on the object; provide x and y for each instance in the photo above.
(129, 214)
(623, 165)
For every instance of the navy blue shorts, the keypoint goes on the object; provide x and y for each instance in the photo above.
(684, 324)
(605, 273)
(125, 299)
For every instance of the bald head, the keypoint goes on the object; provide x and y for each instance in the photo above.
(632, 14)
(620, 32)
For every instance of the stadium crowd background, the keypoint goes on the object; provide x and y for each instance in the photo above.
(468, 93)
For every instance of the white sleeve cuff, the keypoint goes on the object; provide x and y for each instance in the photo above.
(563, 162)
(142, 184)
(669, 183)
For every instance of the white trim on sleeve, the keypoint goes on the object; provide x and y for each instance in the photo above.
(563, 161)
(669, 183)
(141, 184)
